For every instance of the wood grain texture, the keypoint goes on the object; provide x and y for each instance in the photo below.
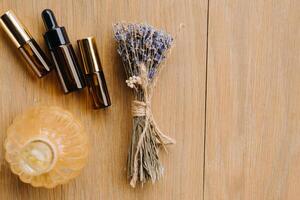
(253, 111)
(178, 103)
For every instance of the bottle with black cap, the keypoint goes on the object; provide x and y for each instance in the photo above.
(69, 72)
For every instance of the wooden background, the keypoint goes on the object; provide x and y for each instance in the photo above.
(229, 95)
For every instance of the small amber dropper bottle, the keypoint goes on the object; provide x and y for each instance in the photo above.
(67, 66)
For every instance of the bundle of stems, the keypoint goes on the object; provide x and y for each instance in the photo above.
(143, 49)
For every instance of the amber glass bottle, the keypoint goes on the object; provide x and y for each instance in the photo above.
(33, 54)
(67, 66)
(94, 72)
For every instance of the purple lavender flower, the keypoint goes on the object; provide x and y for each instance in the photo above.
(141, 43)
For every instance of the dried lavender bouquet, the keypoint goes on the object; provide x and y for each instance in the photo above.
(143, 49)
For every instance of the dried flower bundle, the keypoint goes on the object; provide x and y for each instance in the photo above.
(143, 49)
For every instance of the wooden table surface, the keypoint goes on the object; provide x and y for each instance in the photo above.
(229, 95)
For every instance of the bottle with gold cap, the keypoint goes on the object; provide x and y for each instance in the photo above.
(33, 54)
(93, 72)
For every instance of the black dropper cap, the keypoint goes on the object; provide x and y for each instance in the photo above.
(55, 35)
(67, 65)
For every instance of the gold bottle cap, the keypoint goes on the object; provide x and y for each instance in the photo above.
(14, 28)
(89, 55)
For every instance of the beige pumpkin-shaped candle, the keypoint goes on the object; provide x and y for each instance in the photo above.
(46, 146)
